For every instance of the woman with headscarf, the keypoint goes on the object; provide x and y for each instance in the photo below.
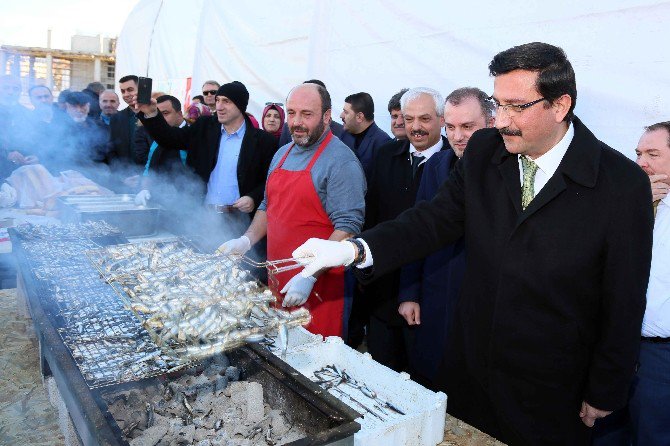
(273, 119)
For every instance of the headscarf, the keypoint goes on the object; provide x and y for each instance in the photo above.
(281, 117)
(196, 110)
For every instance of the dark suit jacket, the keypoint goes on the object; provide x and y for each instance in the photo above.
(374, 138)
(121, 133)
(201, 140)
(434, 282)
(553, 296)
(391, 190)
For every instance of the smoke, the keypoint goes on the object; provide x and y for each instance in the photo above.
(65, 145)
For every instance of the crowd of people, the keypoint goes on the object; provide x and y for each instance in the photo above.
(492, 247)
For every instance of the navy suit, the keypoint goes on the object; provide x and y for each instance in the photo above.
(374, 138)
(434, 282)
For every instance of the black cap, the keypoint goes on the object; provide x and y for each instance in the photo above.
(236, 92)
(77, 98)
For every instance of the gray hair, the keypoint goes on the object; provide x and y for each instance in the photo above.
(458, 95)
(414, 93)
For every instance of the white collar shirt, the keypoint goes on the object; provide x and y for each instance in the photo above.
(548, 163)
(425, 154)
(656, 322)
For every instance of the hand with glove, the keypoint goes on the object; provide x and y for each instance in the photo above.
(297, 290)
(142, 197)
(236, 246)
(317, 254)
(8, 196)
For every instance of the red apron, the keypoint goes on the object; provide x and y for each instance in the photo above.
(295, 214)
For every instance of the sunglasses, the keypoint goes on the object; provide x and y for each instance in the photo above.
(278, 104)
(209, 92)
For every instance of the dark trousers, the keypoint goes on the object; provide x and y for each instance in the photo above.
(389, 343)
(650, 396)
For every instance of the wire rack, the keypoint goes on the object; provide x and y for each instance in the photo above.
(105, 339)
(192, 304)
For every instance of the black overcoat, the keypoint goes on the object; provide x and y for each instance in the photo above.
(553, 296)
(201, 140)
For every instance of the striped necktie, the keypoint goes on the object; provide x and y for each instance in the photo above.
(656, 206)
(528, 186)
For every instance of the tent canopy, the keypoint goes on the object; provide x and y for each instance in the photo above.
(381, 46)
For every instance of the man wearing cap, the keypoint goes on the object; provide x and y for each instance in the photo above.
(226, 151)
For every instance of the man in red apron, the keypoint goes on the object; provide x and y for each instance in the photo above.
(316, 188)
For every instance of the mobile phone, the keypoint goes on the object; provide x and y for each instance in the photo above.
(144, 90)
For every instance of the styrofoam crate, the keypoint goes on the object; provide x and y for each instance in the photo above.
(425, 411)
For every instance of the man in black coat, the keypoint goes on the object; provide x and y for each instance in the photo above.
(123, 124)
(242, 166)
(558, 232)
(394, 181)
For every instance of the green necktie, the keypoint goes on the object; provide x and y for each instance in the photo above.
(528, 187)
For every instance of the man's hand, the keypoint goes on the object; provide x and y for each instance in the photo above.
(236, 246)
(142, 197)
(659, 186)
(244, 204)
(297, 290)
(150, 110)
(8, 196)
(590, 414)
(411, 311)
(318, 254)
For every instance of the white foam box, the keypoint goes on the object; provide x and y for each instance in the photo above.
(425, 411)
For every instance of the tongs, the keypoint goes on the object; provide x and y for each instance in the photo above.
(289, 264)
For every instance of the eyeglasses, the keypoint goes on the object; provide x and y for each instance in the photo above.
(513, 109)
(278, 104)
(209, 92)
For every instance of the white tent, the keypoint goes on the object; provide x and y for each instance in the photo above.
(617, 48)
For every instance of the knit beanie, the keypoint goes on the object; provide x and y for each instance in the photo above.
(236, 92)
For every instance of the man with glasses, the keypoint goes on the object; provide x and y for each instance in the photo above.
(209, 89)
(558, 231)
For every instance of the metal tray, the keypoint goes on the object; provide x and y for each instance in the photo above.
(118, 210)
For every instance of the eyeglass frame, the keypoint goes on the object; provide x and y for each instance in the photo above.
(210, 93)
(517, 108)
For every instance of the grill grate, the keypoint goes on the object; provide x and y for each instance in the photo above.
(105, 340)
(193, 304)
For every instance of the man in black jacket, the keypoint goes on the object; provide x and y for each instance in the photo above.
(230, 156)
(123, 124)
(558, 231)
(394, 180)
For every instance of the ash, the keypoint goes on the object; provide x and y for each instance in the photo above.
(207, 406)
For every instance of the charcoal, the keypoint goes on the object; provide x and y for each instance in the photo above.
(150, 437)
(221, 360)
(221, 383)
(233, 373)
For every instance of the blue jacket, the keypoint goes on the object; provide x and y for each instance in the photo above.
(374, 138)
(434, 282)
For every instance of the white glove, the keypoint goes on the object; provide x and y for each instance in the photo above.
(297, 290)
(7, 196)
(318, 254)
(142, 197)
(236, 246)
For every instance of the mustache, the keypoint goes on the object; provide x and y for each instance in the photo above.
(297, 128)
(398, 126)
(418, 133)
(507, 132)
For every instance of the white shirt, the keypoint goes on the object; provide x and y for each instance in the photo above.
(656, 320)
(548, 163)
(425, 154)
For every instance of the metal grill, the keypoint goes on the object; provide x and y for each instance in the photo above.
(106, 341)
(194, 305)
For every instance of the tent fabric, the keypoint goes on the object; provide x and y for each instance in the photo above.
(381, 46)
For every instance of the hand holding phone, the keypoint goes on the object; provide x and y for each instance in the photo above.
(144, 90)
